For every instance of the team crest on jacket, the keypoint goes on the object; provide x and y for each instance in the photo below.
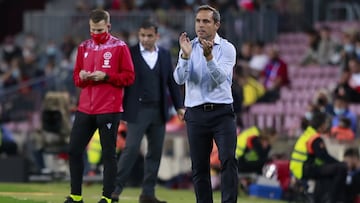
(107, 56)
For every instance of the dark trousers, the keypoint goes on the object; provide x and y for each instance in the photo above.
(251, 166)
(150, 123)
(353, 187)
(83, 129)
(204, 125)
(330, 181)
(9, 148)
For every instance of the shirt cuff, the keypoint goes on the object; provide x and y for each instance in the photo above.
(183, 62)
(211, 64)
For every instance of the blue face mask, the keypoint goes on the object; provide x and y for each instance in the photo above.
(16, 73)
(51, 51)
(339, 111)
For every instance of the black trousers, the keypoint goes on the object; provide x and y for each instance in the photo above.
(330, 181)
(9, 148)
(82, 131)
(245, 166)
(203, 125)
(353, 188)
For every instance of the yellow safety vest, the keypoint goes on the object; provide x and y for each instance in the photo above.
(94, 149)
(301, 151)
(252, 91)
(242, 140)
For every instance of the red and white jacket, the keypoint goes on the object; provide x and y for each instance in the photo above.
(113, 57)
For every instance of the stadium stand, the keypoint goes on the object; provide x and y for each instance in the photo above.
(23, 102)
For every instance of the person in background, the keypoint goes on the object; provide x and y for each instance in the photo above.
(343, 132)
(311, 53)
(205, 66)
(103, 68)
(252, 152)
(274, 76)
(252, 89)
(310, 160)
(146, 107)
(8, 144)
(347, 49)
(245, 54)
(323, 101)
(258, 60)
(327, 46)
(341, 110)
(352, 159)
(353, 82)
(238, 96)
(253, 147)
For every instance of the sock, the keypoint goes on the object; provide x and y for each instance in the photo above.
(76, 198)
(108, 200)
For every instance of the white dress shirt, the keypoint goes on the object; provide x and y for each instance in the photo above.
(207, 81)
(150, 57)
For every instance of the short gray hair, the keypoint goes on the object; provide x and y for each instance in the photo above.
(216, 14)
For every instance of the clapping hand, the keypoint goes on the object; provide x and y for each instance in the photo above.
(207, 48)
(185, 45)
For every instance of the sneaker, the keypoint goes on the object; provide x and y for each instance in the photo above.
(114, 198)
(70, 200)
(149, 199)
(102, 200)
(115, 195)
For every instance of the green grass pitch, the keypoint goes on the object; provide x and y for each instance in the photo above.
(56, 192)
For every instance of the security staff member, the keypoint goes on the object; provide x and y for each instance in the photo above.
(310, 160)
(252, 149)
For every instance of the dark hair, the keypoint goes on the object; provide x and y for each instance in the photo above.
(325, 28)
(346, 122)
(216, 14)
(314, 33)
(268, 132)
(354, 57)
(351, 152)
(341, 98)
(238, 70)
(147, 24)
(98, 15)
(318, 119)
(259, 43)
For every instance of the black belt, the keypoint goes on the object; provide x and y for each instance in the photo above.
(210, 106)
(150, 104)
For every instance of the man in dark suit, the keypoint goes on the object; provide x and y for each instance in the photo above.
(146, 110)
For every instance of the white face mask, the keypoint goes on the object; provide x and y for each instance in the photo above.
(30, 43)
(16, 73)
(349, 48)
(9, 48)
(357, 51)
(308, 115)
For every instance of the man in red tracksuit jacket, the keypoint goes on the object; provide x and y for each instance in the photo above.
(103, 68)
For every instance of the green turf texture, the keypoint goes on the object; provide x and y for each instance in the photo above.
(56, 193)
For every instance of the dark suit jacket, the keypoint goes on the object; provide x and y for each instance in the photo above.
(168, 85)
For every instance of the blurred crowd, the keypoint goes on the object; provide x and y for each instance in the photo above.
(29, 64)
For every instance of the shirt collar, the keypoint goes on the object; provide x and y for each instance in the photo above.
(142, 48)
(216, 39)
